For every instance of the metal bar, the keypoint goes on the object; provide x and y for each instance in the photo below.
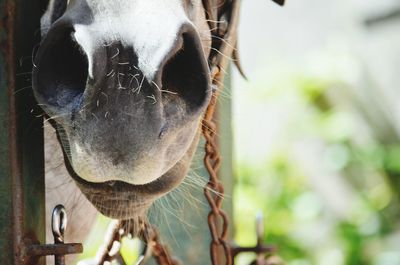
(260, 249)
(53, 249)
(257, 249)
(6, 246)
(21, 137)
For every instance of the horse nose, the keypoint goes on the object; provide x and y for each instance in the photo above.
(184, 73)
(64, 71)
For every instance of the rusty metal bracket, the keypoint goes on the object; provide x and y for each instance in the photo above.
(260, 248)
(59, 249)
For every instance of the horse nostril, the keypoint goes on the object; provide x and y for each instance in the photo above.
(186, 73)
(61, 73)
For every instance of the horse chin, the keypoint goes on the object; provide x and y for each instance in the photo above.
(121, 200)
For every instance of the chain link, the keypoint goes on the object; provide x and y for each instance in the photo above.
(214, 191)
(160, 252)
(110, 249)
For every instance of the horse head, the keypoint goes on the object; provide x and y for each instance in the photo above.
(125, 84)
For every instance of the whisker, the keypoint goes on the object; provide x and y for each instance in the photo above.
(116, 54)
(161, 90)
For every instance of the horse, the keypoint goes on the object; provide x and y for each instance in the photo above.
(125, 85)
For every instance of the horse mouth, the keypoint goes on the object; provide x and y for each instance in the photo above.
(122, 200)
(122, 206)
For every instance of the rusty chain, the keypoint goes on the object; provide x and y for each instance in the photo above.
(160, 252)
(224, 41)
(110, 249)
(214, 191)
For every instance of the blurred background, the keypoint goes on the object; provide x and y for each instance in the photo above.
(316, 130)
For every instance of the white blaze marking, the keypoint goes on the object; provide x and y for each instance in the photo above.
(150, 26)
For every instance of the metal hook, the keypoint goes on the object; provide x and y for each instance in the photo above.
(59, 222)
(58, 226)
(59, 249)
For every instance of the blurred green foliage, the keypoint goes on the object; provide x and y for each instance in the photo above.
(299, 216)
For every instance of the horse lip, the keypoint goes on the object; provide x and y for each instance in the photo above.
(153, 190)
(118, 208)
(117, 199)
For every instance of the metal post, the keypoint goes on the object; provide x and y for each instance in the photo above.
(22, 205)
